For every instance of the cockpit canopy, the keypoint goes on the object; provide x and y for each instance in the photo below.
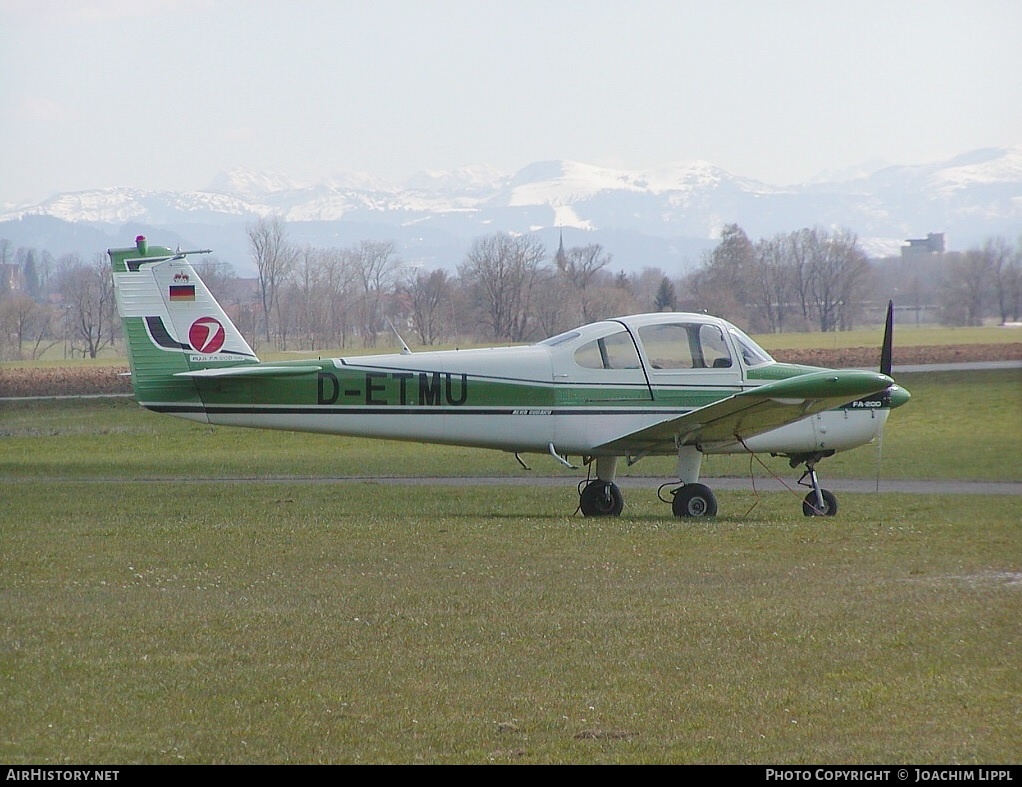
(665, 341)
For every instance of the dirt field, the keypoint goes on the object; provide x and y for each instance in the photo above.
(865, 357)
(113, 379)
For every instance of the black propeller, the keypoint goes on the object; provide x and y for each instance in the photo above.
(886, 365)
(887, 350)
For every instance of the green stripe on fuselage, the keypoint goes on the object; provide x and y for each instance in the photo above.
(334, 387)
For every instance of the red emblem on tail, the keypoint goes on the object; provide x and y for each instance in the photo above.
(206, 335)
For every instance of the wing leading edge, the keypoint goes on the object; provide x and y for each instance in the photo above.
(752, 412)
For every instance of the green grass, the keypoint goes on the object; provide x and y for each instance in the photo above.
(198, 620)
(211, 622)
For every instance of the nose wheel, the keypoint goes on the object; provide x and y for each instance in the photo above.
(824, 505)
(819, 502)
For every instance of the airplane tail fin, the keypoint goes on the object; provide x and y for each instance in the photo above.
(172, 325)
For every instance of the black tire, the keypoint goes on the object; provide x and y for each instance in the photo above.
(694, 500)
(601, 498)
(810, 508)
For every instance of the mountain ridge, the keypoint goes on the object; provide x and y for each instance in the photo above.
(680, 206)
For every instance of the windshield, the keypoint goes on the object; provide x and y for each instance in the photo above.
(752, 353)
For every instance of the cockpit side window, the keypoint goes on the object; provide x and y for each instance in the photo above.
(686, 346)
(715, 353)
(667, 346)
(616, 351)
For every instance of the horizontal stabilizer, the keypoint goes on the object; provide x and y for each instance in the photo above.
(252, 371)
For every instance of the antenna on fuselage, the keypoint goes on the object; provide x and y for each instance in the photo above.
(405, 349)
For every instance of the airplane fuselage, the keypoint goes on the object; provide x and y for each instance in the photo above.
(629, 387)
(521, 399)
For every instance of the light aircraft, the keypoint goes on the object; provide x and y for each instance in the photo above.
(669, 383)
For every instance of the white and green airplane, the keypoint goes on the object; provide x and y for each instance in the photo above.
(670, 383)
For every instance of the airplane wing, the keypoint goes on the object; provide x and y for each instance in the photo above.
(753, 411)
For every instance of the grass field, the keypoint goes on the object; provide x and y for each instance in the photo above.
(188, 619)
(236, 623)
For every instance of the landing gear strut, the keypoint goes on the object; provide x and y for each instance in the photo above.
(819, 502)
(691, 499)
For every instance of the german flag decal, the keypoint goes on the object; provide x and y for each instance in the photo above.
(182, 292)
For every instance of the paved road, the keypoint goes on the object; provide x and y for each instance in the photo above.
(717, 484)
(956, 367)
(730, 484)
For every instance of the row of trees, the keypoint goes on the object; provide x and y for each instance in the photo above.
(818, 280)
(510, 288)
(809, 278)
(45, 302)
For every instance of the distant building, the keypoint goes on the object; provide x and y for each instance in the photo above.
(10, 277)
(933, 243)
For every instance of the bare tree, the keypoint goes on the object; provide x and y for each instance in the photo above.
(338, 289)
(644, 288)
(772, 284)
(965, 288)
(23, 321)
(837, 275)
(88, 293)
(376, 267)
(802, 245)
(548, 304)
(721, 285)
(430, 294)
(500, 272)
(581, 265)
(274, 257)
(1013, 282)
(1000, 257)
(217, 275)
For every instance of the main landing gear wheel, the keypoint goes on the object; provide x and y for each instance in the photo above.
(811, 506)
(601, 498)
(693, 500)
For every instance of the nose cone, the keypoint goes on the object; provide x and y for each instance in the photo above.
(898, 395)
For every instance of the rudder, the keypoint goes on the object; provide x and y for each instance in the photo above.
(172, 324)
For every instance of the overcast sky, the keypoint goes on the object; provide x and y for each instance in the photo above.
(164, 94)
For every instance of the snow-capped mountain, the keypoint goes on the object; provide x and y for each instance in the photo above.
(663, 217)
